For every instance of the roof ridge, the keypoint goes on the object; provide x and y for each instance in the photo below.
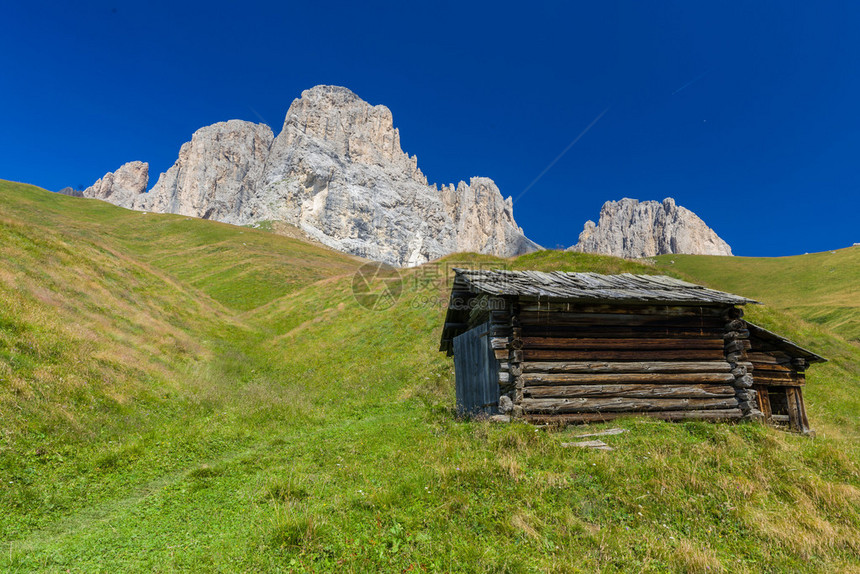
(590, 286)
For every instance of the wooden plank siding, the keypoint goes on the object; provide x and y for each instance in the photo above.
(778, 372)
(476, 371)
(583, 364)
(778, 385)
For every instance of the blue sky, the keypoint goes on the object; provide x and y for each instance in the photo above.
(746, 113)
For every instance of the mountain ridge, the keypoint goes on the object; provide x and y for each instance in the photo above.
(337, 171)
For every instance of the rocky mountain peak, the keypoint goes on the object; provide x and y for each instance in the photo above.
(336, 121)
(630, 228)
(337, 172)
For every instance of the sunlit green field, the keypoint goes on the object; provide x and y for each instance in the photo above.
(823, 288)
(183, 395)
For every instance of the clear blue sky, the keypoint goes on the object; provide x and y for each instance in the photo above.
(748, 113)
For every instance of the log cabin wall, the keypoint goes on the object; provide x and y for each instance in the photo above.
(778, 380)
(579, 347)
(579, 363)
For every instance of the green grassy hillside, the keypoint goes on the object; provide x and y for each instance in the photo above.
(823, 288)
(181, 395)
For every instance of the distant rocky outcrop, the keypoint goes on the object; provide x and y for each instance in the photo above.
(630, 228)
(336, 171)
(123, 186)
(71, 191)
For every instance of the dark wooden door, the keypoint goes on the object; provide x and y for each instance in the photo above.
(477, 372)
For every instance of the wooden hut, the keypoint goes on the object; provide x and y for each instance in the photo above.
(779, 374)
(579, 347)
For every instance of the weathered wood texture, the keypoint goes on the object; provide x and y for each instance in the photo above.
(574, 418)
(677, 391)
(591, 287)
(476, 372)
(597, 344)
(579, 347)
(778, 375)
(626, 367)
(621, 332)
(783, 406)
(779, 379)
(625, 359)
(538, 379)
(623, 355)
(623, 404)
(634, 318)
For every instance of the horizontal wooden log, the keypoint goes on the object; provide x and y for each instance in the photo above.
(795, 381)
(776, 375)
(575, 418)
(631, 405)
(612, 343)
(605, 320)
(532, 378)
(655, 391)
(767, 358)
(772, 367)
(626, 367)
(620, 309)
(597, 331)
(622, 355)
(500, 354)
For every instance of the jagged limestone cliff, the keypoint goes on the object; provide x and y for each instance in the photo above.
(336, 171)
(123, 186)
(630, 228)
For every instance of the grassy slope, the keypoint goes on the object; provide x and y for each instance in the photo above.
(823, 288)
(172, 409)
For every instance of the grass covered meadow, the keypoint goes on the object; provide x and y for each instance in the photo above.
(183, 395)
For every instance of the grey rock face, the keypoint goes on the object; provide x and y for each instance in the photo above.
(71, 191)
(216, 174)
(123, 186)
(336, 171)
(630, 228)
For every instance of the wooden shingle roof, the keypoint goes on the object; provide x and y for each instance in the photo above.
(779, 342)
(593, 287)
(558, 286)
